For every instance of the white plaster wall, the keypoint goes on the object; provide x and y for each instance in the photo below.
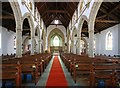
(101, 41)
(1, 41)
(7, 40)
(119, 39)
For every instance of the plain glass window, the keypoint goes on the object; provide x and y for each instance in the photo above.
(109, 41)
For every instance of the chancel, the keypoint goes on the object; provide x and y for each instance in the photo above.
(73, 43)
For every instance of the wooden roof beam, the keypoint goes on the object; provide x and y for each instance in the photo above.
(7, 17)
(107, 21)
(56, 11)
(108, 13)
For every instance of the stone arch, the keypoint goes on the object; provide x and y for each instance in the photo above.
(94, 11)
(17, 13)
(25, 42)
(58, 32)
(85, 18)
(91, 23)
(18, 18)
(37, 30)
(30, 20)
(80, 24)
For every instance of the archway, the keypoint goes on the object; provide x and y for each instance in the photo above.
(60, 35)
(18, 18)
(27, 45)
(91, 26)
(56, 43)
(84, 34)
(26, 32)
(27, 26)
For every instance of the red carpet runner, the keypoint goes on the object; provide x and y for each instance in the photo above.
(56, 75)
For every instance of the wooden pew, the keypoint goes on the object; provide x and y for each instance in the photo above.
(31, 64)
(103, 71)
(117, 74)
(79, 65)
(11, 72)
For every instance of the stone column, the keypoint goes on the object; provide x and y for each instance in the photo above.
(72, 46)
(79, 28)
(32, 41)
(68, 44)
(18, 42)
(40, 46)
(38, 43)
(79, 43)
(91, 40)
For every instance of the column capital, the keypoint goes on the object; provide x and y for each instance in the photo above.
(18, 29)
(91, 31)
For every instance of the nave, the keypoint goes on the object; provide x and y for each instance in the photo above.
(59, 77)
(85, 33)
(64, 70)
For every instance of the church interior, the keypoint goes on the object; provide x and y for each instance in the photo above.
(60, 43)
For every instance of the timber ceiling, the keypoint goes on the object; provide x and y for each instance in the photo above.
(62, 11)
(108, 15)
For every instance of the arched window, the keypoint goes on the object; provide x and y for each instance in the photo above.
(15, 42)
(56, 41)
(109, 41)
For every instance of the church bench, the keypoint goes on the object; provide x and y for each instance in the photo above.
(30, 68)
(107, 68)
(117, 74)
(103, 71)
(77, 70)
(11, 72)
(31, 64)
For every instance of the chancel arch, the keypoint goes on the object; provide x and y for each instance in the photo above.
(60, 36)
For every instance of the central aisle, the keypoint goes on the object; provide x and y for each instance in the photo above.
(56, 76)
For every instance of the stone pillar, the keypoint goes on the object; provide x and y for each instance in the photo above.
(68, 44)
(79, 28)
(91, 40)
(18, 42)
(40, 46)
(32, 42)
(38, 43)
(79, 42)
